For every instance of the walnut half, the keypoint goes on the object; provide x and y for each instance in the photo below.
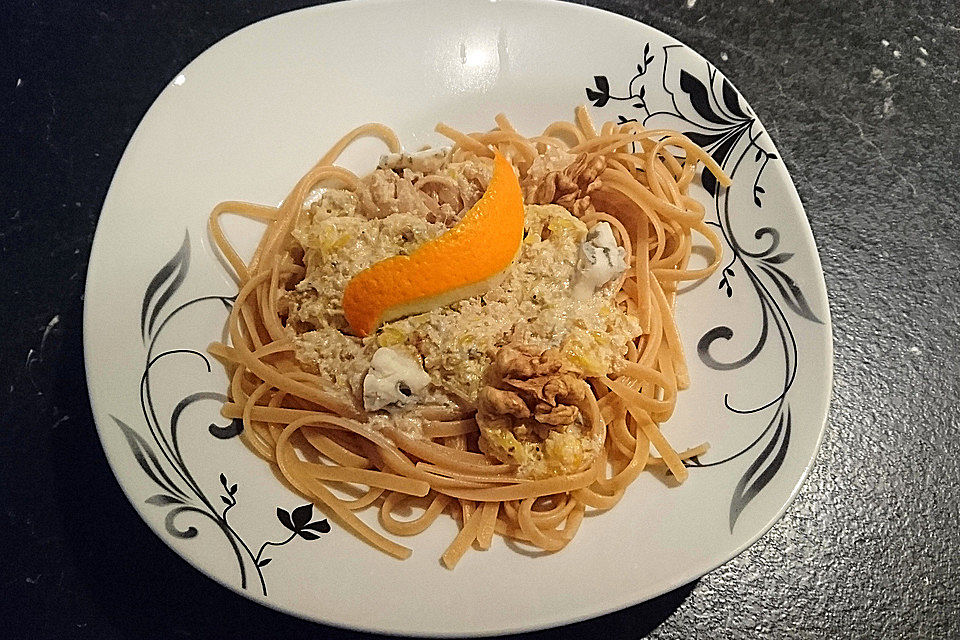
(531, 398)
(571, 187)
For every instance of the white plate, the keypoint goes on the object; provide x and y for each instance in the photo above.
(251, 114)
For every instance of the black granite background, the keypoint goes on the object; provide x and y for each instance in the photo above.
(863, 100)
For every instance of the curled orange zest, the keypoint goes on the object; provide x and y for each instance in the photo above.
(463, 262)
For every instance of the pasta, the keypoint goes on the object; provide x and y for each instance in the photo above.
(321, 441)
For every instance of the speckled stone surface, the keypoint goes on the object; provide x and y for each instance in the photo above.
(863, 101)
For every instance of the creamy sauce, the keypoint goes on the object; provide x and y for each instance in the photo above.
(534, 303)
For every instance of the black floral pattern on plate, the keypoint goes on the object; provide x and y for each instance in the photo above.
(158, 453)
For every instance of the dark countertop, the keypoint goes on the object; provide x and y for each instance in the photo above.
(863, 101)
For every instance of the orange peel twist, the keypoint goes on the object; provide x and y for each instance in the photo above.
(463, 262)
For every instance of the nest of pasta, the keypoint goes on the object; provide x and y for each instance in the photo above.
(514, 411)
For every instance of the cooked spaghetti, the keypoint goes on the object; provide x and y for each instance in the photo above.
(515, 409)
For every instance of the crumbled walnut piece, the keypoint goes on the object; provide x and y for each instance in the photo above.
(522, 363)
(571, 187)
(565, 389)
(561, 415)
(495, 401)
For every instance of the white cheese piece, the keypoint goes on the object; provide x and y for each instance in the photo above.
(393, 378)
(426, 161)
(601, 260)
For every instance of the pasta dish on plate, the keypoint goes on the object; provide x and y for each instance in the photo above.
(484, 330)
